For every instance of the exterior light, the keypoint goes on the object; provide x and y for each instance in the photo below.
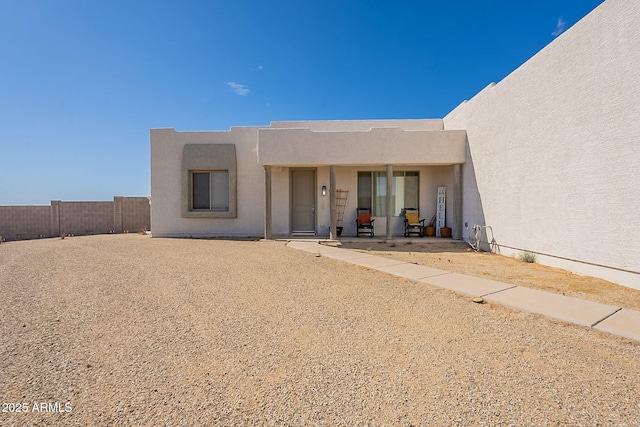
(324, 190)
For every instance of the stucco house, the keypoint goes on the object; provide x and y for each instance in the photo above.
(280, 180)
(549, 157)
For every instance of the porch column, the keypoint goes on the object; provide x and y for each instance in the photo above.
(456, 229)
(389, 200)
(267, 202)
(333, 235)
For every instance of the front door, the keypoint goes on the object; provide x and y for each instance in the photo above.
(303, 201)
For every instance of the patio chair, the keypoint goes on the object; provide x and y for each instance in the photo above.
(412, 223)
(364, 222)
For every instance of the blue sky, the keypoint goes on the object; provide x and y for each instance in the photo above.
(82, 82)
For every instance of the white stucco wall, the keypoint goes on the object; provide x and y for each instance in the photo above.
(360, 125)
(377, 146)
(166, 191)
(554, 149)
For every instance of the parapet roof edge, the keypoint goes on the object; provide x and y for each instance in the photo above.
(275, 122)
(373, 129)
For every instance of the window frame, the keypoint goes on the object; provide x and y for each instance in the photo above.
(207, 158)
(377, 189)
(212, 193)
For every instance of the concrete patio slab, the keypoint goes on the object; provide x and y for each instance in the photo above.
(412, 271)
(568, 309)
(469, 285)
(625, 323)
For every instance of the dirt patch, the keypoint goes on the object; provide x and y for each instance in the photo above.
(458, 257)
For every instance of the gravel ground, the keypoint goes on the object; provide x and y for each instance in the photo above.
(129, 330)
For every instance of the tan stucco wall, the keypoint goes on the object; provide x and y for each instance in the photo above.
(555, 148)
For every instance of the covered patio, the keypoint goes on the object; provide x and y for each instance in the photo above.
(385, 149)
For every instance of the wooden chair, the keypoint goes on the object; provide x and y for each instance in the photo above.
(412, 223)
(364, 222)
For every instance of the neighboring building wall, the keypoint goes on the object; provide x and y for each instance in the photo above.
(554, 149)
(124, 214)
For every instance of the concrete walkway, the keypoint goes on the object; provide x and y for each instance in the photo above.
(603, 317)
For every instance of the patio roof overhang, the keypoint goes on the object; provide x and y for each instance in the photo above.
(377, 146)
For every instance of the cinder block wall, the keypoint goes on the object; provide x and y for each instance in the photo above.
(25, 222)
(82, 218)
(123, 214)
(136, 214)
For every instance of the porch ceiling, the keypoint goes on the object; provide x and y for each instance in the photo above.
(378, 146)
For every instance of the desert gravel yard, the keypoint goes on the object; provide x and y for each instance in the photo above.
(129, 330)
(458, 257)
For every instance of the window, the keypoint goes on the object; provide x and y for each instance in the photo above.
(210, 191)
(372, 191)
(209, 181)
(405, 191)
